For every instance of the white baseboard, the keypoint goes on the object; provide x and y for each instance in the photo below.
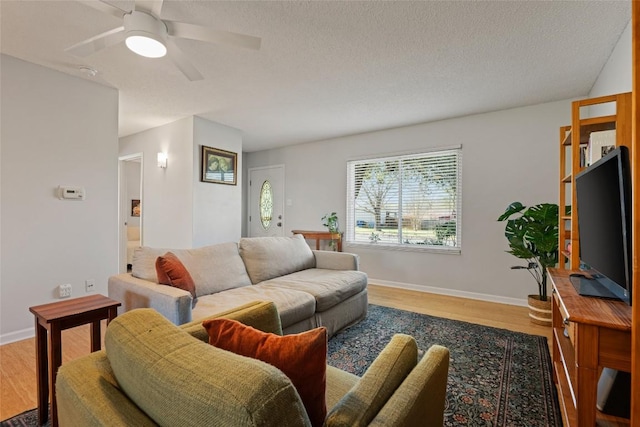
(450, 292)
(17, 336)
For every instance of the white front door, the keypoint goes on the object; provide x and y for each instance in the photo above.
(266, 201)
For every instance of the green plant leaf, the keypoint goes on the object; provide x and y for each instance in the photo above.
(533, 235)
(513, 208)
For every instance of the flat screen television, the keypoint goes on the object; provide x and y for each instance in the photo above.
(603, 192)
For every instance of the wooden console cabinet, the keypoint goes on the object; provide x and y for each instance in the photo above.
(599, 335)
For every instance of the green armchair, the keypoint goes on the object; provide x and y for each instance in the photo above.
(184, 381)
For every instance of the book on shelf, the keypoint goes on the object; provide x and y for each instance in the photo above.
(600, 143)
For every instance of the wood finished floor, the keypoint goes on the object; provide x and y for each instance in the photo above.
(18, 365)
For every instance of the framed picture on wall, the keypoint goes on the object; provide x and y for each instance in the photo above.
(135, 207)
(218, 166)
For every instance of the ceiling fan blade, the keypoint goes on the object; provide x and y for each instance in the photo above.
(182, 62)
(105, 8)
(206, 34)
(96, 43)
(154, 7)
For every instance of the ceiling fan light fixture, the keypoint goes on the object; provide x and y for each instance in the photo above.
(146, 46)
(145, 34)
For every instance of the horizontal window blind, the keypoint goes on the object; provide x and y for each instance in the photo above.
(408, 200)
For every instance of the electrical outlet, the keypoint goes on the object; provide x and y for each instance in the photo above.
(90, 285)
(64, 291)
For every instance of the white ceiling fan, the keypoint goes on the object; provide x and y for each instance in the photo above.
(146, 34)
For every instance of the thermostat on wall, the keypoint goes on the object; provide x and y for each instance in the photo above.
(73, 193)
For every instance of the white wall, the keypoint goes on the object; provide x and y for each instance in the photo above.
(180, 211)
(167, 193)
(216, 207)
(615, 76)
(55, 129)
(507, 156)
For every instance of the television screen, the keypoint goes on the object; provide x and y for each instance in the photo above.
(604, 226)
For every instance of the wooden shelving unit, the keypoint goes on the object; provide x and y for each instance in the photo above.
(578, 359)
(572, 139)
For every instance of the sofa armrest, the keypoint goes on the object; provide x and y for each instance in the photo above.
(330, 260)
(172, 303)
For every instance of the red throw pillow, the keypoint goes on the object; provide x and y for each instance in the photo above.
(302, 357)
(171, 271)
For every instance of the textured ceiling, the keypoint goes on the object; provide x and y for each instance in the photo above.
(334, 68)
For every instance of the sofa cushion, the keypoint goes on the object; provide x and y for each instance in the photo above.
(172, 272)
(363, 402)
(293, 306)
(269, 257)
(178, 380)
(302, 357)
(214, 268)
(328, 287)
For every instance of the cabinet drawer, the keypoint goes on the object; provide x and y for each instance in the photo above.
(570, 327)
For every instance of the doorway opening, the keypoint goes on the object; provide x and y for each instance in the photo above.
(130, 208)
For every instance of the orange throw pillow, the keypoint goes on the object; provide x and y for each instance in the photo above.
(301, 357)
(171, 271)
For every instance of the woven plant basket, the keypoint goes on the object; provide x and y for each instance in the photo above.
(539, 311)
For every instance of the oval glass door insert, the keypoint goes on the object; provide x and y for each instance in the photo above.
(266, 204)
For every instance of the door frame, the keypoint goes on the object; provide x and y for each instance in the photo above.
(123, 208)
(250, 201)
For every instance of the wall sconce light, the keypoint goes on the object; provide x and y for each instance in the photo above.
(162, 160)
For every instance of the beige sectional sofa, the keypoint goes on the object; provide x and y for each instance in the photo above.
(155, 373)
(309, 288)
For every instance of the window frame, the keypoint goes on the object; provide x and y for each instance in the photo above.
(350, 223)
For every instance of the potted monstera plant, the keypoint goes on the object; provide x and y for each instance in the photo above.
(532, 233)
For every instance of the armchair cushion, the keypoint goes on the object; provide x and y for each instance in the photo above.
(302, 357)
(361, 404)
(262, 315)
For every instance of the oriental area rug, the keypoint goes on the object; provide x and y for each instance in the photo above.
(496, 377)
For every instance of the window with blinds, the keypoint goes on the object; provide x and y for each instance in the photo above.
(406, 201)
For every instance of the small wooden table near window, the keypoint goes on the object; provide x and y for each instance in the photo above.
(51, 320)
(321, 235)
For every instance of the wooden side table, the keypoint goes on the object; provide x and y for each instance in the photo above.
(51, 319)
(320, 235)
